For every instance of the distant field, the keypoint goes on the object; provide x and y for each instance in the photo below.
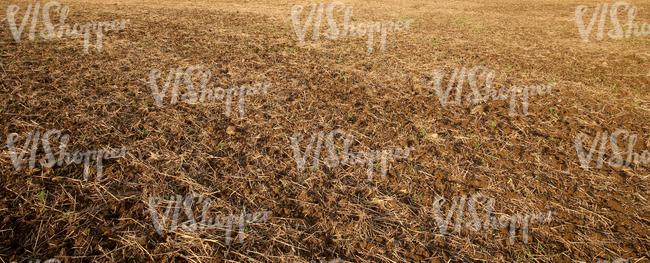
(318, 100)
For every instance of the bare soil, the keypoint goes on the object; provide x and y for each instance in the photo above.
(385, 99)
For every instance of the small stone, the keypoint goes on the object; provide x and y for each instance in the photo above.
(417, 89)
(432, 136)
(615, 205)
(232, 130)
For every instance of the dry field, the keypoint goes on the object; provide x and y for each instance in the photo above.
(385, 100)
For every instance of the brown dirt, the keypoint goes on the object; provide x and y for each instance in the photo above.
(527, 163)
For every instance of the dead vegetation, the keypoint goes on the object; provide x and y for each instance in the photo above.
(385, 99)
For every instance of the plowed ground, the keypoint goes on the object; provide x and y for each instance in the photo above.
(384, 99)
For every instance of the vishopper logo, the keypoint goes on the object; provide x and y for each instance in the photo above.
(49, 161)
(616, 160)
(206, 222)
(490, 221)
(52, 260)
(459, 78)
(617, 32)
(348, 30)
(206, 94)
(49, 31)
(347, 158)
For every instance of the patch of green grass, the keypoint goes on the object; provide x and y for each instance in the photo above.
(435, 42)
(528, 253)
(414, 168)
(41, 196)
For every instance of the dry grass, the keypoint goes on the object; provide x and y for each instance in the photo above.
(527, 163)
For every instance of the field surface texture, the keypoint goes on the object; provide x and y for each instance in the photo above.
(246, 131)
